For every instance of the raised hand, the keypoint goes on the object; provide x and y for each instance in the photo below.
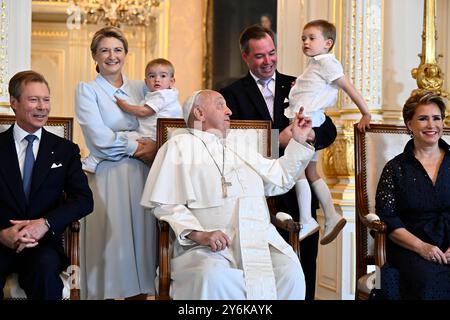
(301, 127)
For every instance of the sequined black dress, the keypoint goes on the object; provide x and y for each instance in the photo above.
(406, 197)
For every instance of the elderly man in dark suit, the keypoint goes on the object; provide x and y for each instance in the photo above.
(261, 95)
(36, 168)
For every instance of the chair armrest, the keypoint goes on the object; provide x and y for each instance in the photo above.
(378, 230)
(164, 261)
(292, 227)
(380, 247)
(72, 250)
(373, 222)
(72, 242)
(286, 224)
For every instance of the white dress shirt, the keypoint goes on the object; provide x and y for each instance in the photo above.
(271, 87)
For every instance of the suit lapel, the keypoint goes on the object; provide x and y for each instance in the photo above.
(256, 97)
(9, 168)
(282, 88)
(43, 162)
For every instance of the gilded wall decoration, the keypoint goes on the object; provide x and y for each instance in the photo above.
(338, 159)
(3, 51)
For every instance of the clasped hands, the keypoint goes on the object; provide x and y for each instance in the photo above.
(434, 254)
(23, 234)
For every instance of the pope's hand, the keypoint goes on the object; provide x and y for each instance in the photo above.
(301, 127)
(216, 240)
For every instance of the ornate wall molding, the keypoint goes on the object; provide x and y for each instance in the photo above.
(3, 52)
(48, 33)
(361, 49)
(15, 30)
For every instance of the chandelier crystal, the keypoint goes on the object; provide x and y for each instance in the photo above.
(111, 12)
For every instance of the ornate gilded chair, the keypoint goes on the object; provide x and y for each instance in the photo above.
(62, 127)
(258, 134)
(373, 150)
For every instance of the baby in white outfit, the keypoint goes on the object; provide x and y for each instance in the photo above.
(160, 102)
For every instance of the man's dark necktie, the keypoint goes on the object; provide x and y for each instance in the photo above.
(28, 165)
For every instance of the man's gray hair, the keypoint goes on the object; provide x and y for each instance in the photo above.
(189, 104)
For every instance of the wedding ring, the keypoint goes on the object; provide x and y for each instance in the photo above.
(433, 259)
(217, 242)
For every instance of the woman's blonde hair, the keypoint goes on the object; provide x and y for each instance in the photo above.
(421, 98)
(107, 32)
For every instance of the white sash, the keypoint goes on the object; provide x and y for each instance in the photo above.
(256, 260)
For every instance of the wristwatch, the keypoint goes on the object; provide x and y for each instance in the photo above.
(48, 225)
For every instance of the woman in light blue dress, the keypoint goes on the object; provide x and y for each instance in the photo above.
(118, 240)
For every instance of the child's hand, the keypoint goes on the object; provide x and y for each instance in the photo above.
(364, 123)
(121, 102)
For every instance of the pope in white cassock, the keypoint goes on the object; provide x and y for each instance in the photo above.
(213, 195)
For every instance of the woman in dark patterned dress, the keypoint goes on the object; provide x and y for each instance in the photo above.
(413, 199)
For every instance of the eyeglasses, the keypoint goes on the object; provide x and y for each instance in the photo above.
(107, 51)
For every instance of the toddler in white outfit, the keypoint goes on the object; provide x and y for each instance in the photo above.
(317, 89)
(160, 102)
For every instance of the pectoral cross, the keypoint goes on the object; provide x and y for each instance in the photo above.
(225, 184)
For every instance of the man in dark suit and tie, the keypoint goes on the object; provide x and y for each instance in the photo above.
(261, 95)
(36, 168)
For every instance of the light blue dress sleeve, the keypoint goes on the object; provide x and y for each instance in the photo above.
(105, 127)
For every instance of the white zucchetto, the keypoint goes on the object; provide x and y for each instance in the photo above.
(187, 106)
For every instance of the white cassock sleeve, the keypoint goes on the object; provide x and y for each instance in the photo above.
(280, 175)
(180, 219)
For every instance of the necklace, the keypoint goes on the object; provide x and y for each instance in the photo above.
(225, 183)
